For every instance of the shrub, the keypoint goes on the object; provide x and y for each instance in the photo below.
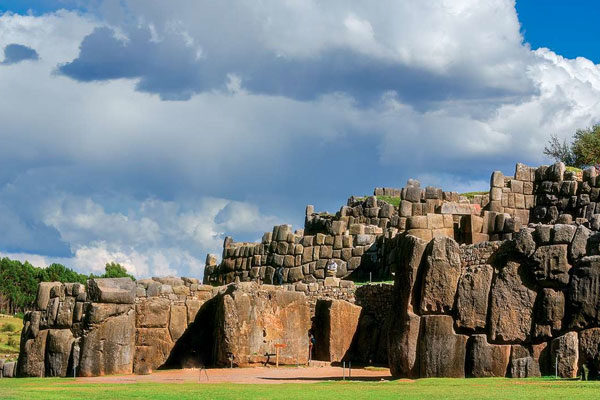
(9, 328)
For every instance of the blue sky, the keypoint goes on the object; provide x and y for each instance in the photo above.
(569, 28)
(144, 132)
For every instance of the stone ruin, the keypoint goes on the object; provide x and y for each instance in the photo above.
(503, 284)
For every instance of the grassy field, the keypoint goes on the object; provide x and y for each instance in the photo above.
(10, 335)
(497, 388)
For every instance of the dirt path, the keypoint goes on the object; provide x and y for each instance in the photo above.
(270, 375)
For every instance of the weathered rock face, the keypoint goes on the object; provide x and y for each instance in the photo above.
(551, 266)
(511, 307)
(334, 326)
(403, 346)
(584, 293)
(441, 351)
(403, 338)
(109, 346)
(589, 351)
(252, 320)
(43, 295)
(550, 310)
(152, 348)
(440, 276)
(525, 367)
(113, 290)
(58, 350)
(472, 297)
(32, 357)
(486, 360)
(565, 350)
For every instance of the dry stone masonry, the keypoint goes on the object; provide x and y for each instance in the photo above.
(502, 284)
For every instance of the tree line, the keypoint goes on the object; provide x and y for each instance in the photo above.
(19, 281)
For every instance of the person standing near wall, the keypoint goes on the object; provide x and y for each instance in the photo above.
(332, 268)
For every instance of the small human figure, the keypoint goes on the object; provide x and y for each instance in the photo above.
(332, 268)
(279, 276)
(311, 345)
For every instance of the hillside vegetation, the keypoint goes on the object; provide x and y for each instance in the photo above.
(19, 281)
(10, 335)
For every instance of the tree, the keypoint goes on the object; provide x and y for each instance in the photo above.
(559, 151)
(116, 270)
(586, 146)
(582, 152)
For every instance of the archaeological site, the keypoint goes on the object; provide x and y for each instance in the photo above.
(504, 283)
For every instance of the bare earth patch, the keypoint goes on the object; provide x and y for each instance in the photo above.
(269, 375)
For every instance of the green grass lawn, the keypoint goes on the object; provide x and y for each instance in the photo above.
(10, 336)
(496, 388)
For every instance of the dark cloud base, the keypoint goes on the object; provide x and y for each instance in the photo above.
(15, 53)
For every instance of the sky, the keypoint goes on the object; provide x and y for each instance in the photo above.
(145, 131)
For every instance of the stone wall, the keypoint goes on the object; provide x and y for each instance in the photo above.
(352, 238)
(116, 326)
(510, 308)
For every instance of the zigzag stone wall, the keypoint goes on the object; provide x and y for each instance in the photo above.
(503, 285)
(116, 326)
(510, 308)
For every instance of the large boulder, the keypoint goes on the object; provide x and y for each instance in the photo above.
(511, 307)
(403, 346)
(486, 360)
(43, 294)
(10, 369)
(152, 313)
(177, 321)
(578, 247)
(441, 351)
(403, 336)
(109, 346)
(589, 351)
(551, 265)
(565, 350)
(112, 290)
(472, 297)
(334, 327)
(525, 367)
(549, 313)
(58, 351)
(440, 276)
(583, 293)
(152, 348)
(251, 320)
(32, 356)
